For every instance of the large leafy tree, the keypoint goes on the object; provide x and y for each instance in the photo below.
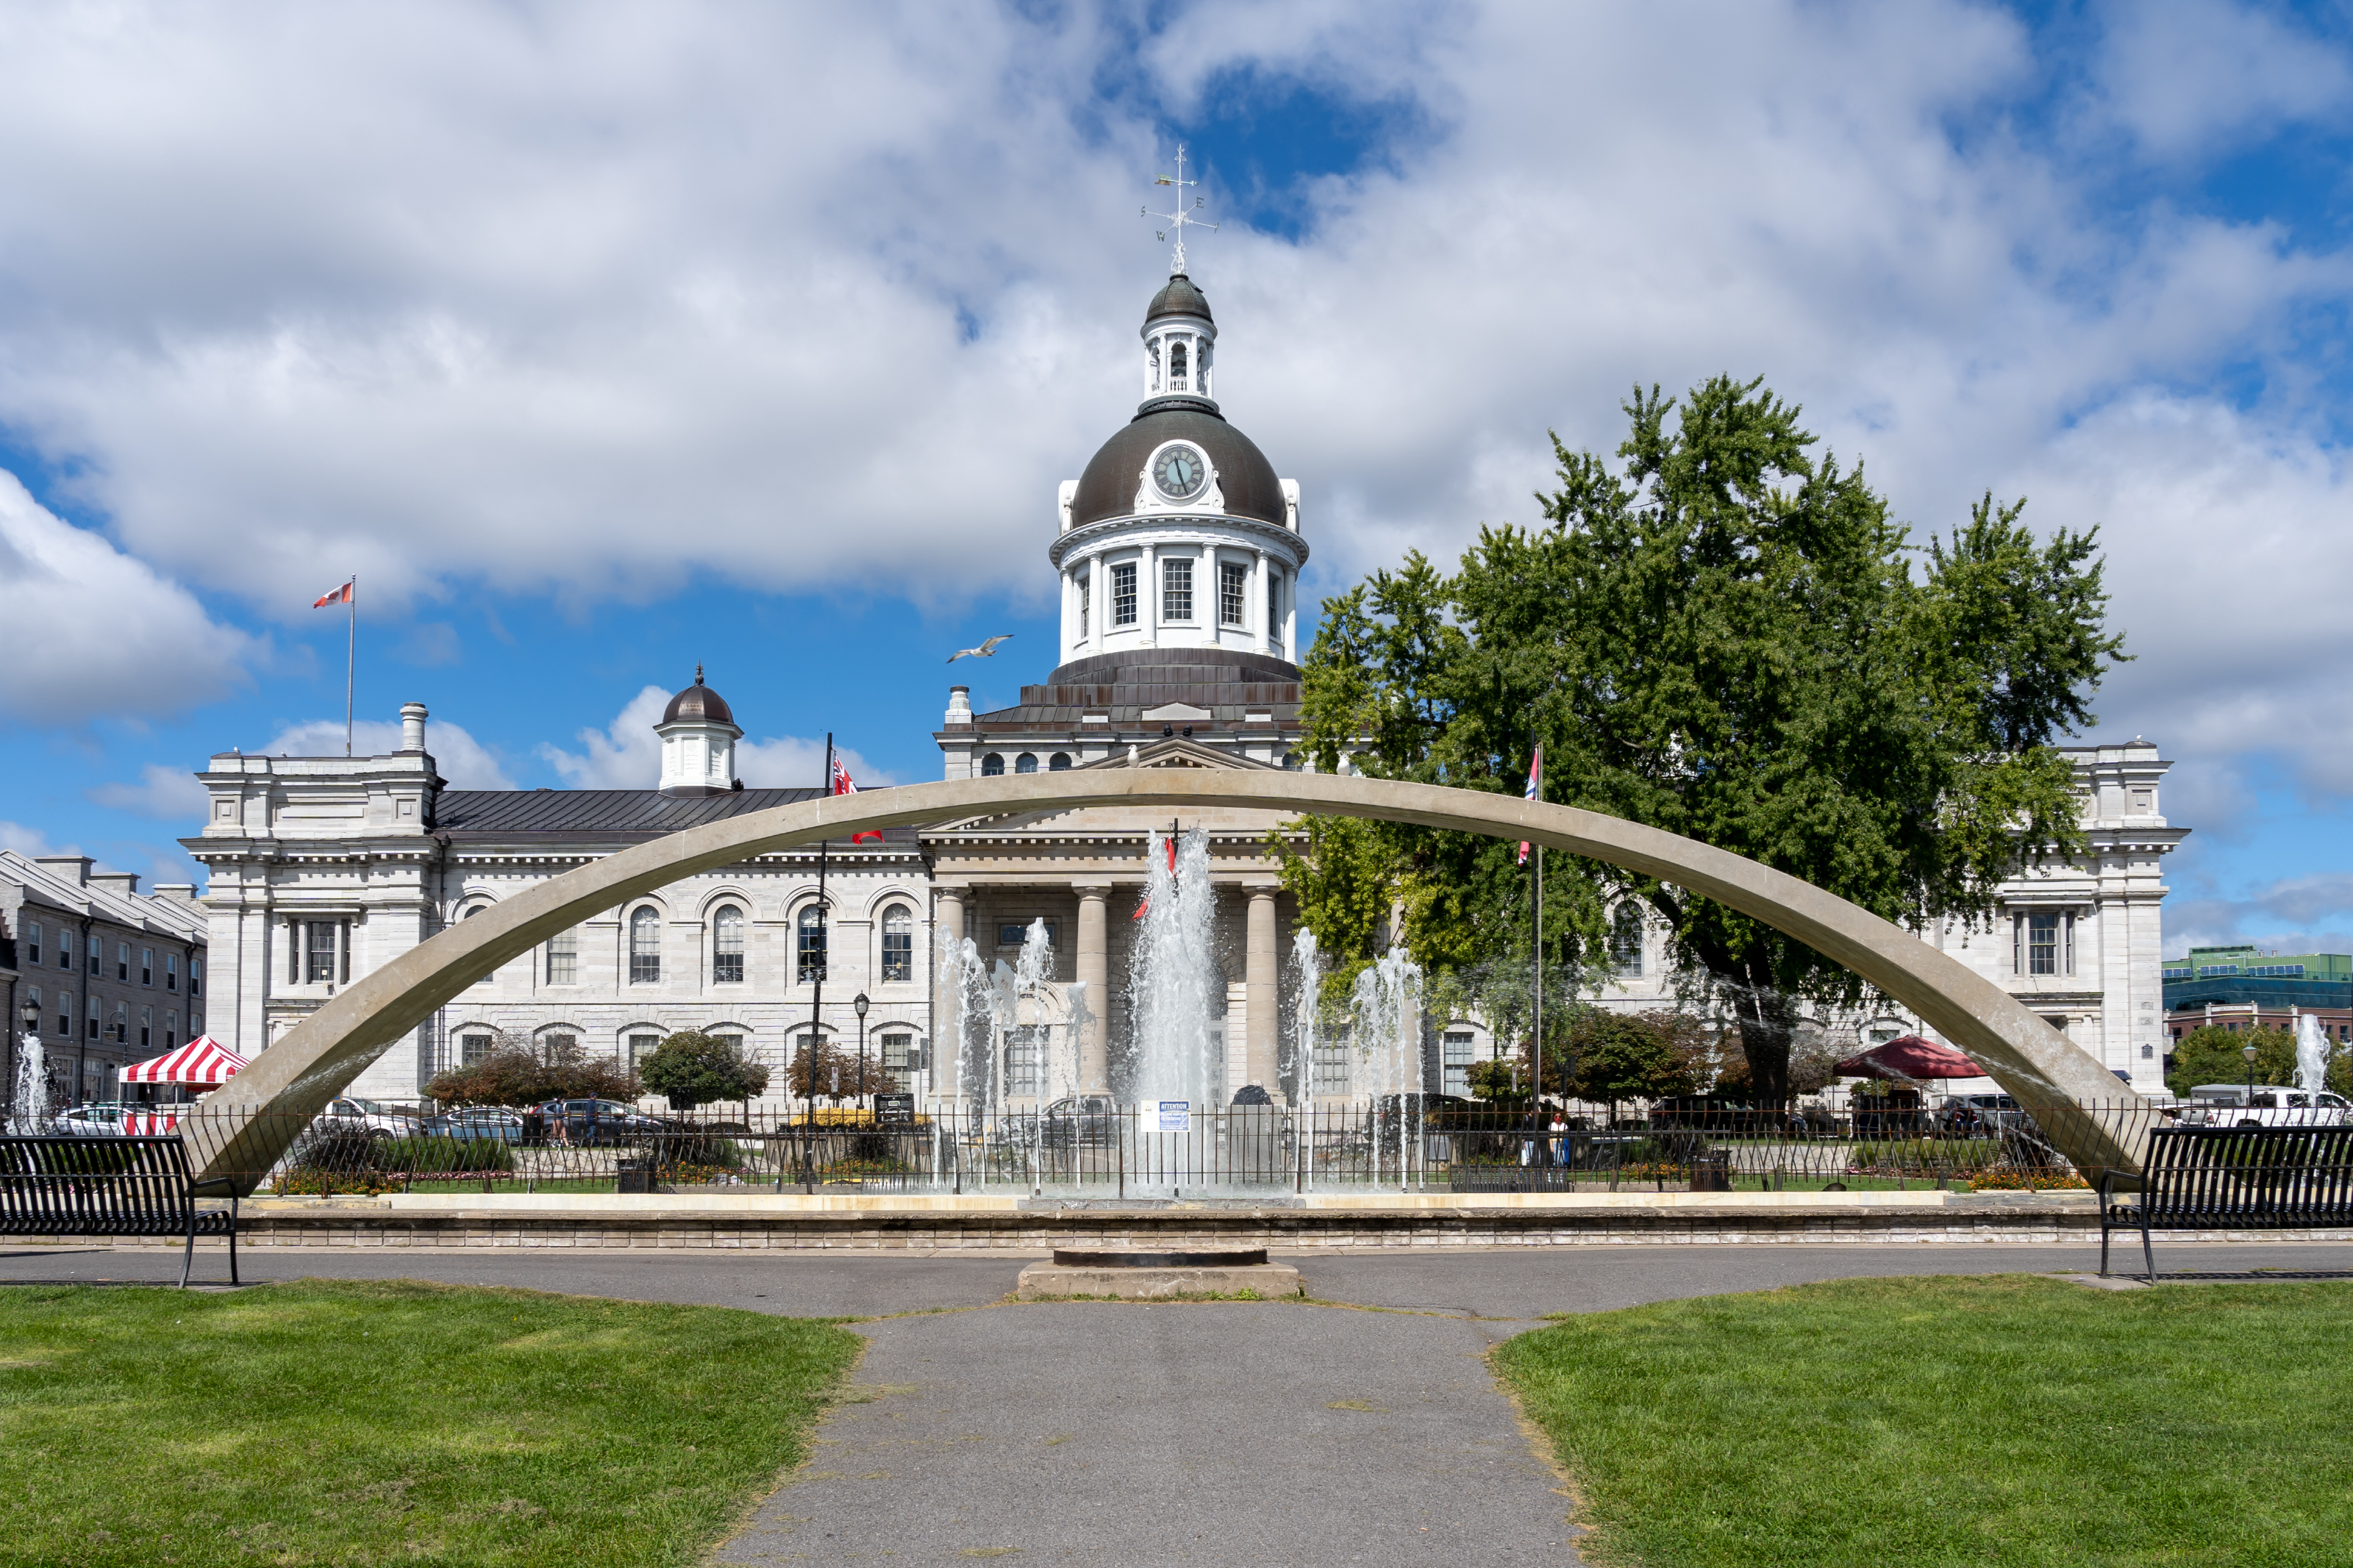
(692, 1068)
(1721, 634)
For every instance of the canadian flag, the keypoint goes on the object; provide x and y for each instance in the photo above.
(842, 785)
(1143, 904)
(342, 595)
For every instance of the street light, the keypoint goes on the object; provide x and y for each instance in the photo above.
(2248, 1051)
(30, 1016)
(859, 1007)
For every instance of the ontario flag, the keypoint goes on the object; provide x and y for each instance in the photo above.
(1535, 780)
(842, 785)
(342, 595)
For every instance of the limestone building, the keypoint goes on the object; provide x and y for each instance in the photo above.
(324, 869)
(116, 975)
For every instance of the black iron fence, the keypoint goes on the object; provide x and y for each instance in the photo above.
(1394, 1145)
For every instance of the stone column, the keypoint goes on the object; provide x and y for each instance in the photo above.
(1094, 974)
(1262, 968)
(1147, 592)
(948, 1045)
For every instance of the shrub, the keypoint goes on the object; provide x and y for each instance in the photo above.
(515, 1074)
(694, 1069)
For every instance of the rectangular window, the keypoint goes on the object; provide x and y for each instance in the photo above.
(147, 967)
(32, 945)
(122, 1023)
(1025, 1049)
(2043, 944)
(899, 952)
(554, 1048)
(1233, 591)
(1014, 933)
(1458, 1061)
(65, 1014)
(122, 962)
(896, 1049)
(89, 1023)
(727, 949)
(1332, 1068)
(809, 947)
(171, 972)
(564, 958)
(1177, 590)
(146, 1028)
(1122, 594)
(196, 978)
(1086, 601)
(170, 1029)
(1274, 605)
(640, 1048)
(96, 955)
(318, 951)
(473, 1049)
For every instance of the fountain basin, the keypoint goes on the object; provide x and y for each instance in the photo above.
(1138, 1276)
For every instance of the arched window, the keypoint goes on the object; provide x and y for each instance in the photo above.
(1626, 940)
(1060, 764)
(992, 766)
(898, 943)
(727, 944)
(1176, 366)
(811, 933)
(645, 946)
(1026, 762)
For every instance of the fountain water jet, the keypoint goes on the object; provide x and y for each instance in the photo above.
(1387, 1013)
(29, 1102)
(2311, 1055)
(1173, 986)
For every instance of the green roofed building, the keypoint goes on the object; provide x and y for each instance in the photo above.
(2247, 988)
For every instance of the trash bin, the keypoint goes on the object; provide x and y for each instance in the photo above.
(1711, 1172)
(633, 1173)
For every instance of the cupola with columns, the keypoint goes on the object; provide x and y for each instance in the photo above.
(698, 743)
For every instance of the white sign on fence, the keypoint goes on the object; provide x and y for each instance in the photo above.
(1175, 1116)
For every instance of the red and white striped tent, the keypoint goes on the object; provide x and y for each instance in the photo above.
(203, 1061)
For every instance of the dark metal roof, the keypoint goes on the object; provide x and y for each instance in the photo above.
(1107, 488)
(1229, 685)
(1180, 296)
(698, 703)
(601, 814)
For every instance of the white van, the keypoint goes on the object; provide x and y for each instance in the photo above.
(2234, 1105)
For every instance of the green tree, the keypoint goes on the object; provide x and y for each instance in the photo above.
(512, 1073)
(1627, 1056)
(831, 1071)
(1723, 634)
(694, 1069)
(2213, 1054)
(1344, 880)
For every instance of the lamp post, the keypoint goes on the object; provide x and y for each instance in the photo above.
(859, 1007)
(2248, 1051)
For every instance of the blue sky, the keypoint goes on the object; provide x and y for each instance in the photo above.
(595, 355)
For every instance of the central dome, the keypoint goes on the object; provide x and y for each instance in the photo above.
(1107, 488)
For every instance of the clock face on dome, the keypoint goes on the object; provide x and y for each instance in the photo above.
(1180, 471)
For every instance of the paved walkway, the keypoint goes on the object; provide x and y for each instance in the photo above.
(1118, 1434)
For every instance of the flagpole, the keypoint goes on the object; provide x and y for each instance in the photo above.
(817, 990)
(351, 657)
(1537, 1066)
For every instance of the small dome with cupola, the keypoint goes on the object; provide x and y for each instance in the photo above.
(698, 738)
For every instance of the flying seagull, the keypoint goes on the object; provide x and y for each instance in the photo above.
(983, 651)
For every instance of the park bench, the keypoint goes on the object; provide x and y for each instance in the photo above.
(2233, 1178)
(111, 1186)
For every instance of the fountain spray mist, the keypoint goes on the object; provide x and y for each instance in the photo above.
(1171, 976)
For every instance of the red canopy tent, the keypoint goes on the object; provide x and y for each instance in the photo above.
(1910, 1057)
(203, 1061)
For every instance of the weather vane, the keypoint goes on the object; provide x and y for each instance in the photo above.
(1183, 213)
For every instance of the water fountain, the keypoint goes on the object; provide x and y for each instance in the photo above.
(2311, 1055)
(1175, 989)
(29, 1099)
(1385, 1012)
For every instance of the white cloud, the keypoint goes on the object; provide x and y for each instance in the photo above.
(30, 841)
(163, 791)
(460, 759)
(573, 299)
(95, 633)
(627, 754)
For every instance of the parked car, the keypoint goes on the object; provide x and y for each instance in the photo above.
(495, 1122)
(351, 1114)
(594, 1121)
(1971, 1114)
(1084, 1120)
(2234, 1105)
(102, 1119)
(1723, 1113)
(1897, 1111)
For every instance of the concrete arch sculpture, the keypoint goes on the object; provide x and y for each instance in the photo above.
(2049, 1074)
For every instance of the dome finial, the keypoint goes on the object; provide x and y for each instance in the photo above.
(698, 672)
(1182, 215)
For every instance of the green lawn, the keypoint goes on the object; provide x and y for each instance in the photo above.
(368, 1421)
(1927, 1422)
